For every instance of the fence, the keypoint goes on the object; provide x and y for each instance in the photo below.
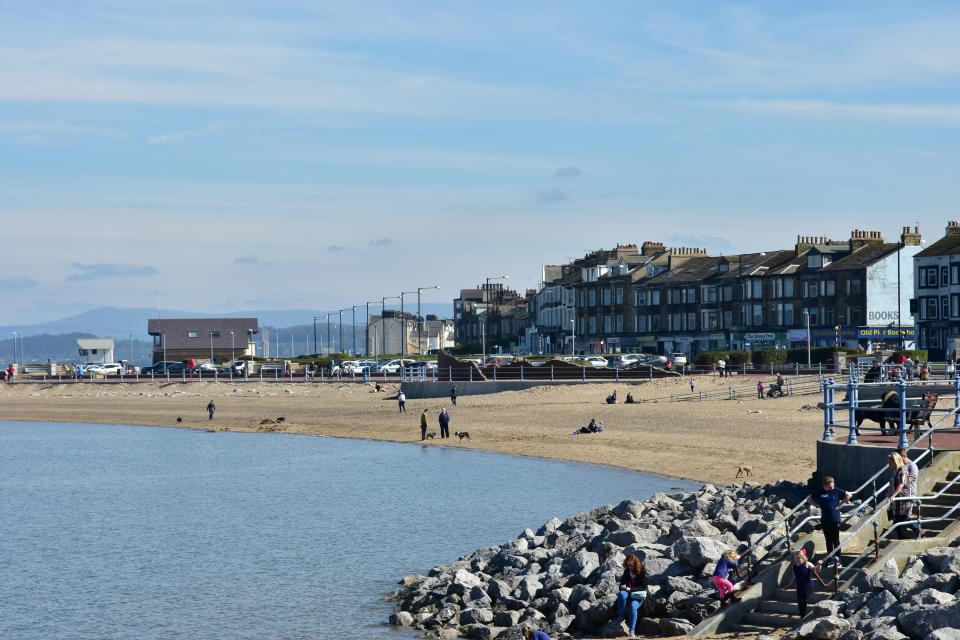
(802, 386)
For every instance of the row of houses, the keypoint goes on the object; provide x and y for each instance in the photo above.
(863, 291)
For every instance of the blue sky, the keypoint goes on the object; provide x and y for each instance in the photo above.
(291, 155)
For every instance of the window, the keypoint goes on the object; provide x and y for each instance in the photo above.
(954, 305)
(944, 307)
(619, 295)
(708, 320)
(928, 277)
(814, 261)
(788, 314)
(828, 287)
(593, 325)
(654, 297)
(157, 341)
(606, 297)
(675, 296)
(810, 289)
(857, 313)
(690, 294)
(606, 324)
(954, 274)
(853, 286)
(215, 334)
(727, 293)
(640, 296)
(944, 277)
(193, 334)
(812, 313)
(619, 323)
(829, 315)
(788, 287)
(592, 298)
(708, 294)
(932, 308)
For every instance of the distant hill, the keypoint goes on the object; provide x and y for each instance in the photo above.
(122, 322)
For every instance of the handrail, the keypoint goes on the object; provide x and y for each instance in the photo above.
(871, 481)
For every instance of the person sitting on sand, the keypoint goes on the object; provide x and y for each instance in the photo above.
(727, 563)
(592, 427)
(633, 592)
(612, 398)
(629, 399)
(377, 388)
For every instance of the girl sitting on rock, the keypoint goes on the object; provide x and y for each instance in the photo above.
(721, 576)
(534, 634)
(633, 591)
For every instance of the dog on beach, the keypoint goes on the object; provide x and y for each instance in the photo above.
(281, 419)
(462, 435)
(179, 419)
(744, 470)
(431, 435)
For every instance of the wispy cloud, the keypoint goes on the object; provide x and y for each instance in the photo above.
(18, 283)
(948, 114)
(182, 136)
(550, 196)
(336, 248)
(246, 261)
(567, 173)
(382, 242)
(98, 271)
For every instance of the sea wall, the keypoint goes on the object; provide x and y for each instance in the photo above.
(428, 389)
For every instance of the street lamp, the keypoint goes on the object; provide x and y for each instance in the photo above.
(14, 347)
(806, 319)
(233, 348)
(403, 321)
(354, 321)
(486, 295)
(836, 333)
(383, 322)
(420, 320)
(328, 334)
(211, 347)
(366, 342)
(573, 337)
(315, 318)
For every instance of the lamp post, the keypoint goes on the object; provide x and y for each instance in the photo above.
(14, 347)
(806, 320)
(354, 320)
(366, 342)
(233, 348)
(420, 320)
(341, 330)
(211, 347)
(836, 334)
(486, 294)
(383, 322)
(315, 318)
(403, 321)
(329, 350)
(573, 337)
(163, 341)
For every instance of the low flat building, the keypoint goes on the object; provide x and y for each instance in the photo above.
(215, 340)
(96, 350)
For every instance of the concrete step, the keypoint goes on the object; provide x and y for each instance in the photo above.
(775, 620)
(778, 606)
(790, 595)
(752, 628)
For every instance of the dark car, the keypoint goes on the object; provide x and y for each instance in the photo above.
(160, 368)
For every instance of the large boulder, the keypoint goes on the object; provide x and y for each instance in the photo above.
(946, 633)
(476, 616)
(675, 626)
(581, 564)
(886, 633)
(943, 559)
(528, 588)
(632, 536)
(463, 581)
(829, 628)
(923, 621)
(401, 618)
(506, 618)
(697, 551)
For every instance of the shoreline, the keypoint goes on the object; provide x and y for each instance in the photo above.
(701, 442)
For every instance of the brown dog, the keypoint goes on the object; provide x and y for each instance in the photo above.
(744, 470)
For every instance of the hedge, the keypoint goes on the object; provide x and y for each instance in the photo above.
(709, 358)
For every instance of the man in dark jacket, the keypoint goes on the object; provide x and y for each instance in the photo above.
(453, 395)
(444, 424)
(423, 425)
(210, 409)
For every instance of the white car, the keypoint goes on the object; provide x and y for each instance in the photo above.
(595, 361)
(111, 369)
(679, 359)
(394, 366)
(352, 367)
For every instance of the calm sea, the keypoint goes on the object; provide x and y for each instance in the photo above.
(135, 532)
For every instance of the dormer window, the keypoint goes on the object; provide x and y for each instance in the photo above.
(814, 261)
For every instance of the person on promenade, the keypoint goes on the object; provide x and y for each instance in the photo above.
(530, 633)
(633, 592)
(210, 409)
(693, 385)
(830, 499)
(453, 395)
(423, 425)
(803, 572)
(759, 389)
(722, 367)
(402, 402)
(444, 423)
(913, 472)
(951, 370)
(728, 562)
(899, 510)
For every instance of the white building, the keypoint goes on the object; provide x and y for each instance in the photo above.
(96, 350)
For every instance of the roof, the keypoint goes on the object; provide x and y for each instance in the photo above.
(95, 343)
(176, 331)
(692, 270)
(947, 245)
(863, 256)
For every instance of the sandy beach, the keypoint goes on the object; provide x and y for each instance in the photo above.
(703, 441)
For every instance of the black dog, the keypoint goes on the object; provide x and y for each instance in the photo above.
(462, 435)
(280, 419)
(179, 419)
(431, 435)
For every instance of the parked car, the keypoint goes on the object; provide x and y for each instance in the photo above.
(498, 361)
(353, 367)
(624, 360)
(428, 365)
(240, 367)
(679, 359)
(393, 366)
(272, 369)
(597, 362)
(158, 368)
(111, 368)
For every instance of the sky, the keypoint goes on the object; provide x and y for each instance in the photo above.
(243, 155)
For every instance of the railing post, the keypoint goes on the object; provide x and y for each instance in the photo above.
(876, 502)
(876, 540)
(583, 374)
(903, 415)
(827, 401)
(616, 373)
(649, 372)
(796, 368)
(521, 373)
(919, 503)
(820, 367)
(852, 409)
(956, 417)
(551, 373)
(494, 373)
(836, 573)
(471, 374)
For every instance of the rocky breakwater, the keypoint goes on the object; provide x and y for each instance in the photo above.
(920, 603)
(564, 577)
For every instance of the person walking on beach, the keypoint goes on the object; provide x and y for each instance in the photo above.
(210, 409)
(453, 395)
(830, 499)
(423, 425)
(803, 577)
(633, 592)
(444, 423)
(693, 385)
(402, 402)
(722, 367)
(759, 390)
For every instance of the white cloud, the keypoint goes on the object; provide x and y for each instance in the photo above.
(181, 136)
(927, 114)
